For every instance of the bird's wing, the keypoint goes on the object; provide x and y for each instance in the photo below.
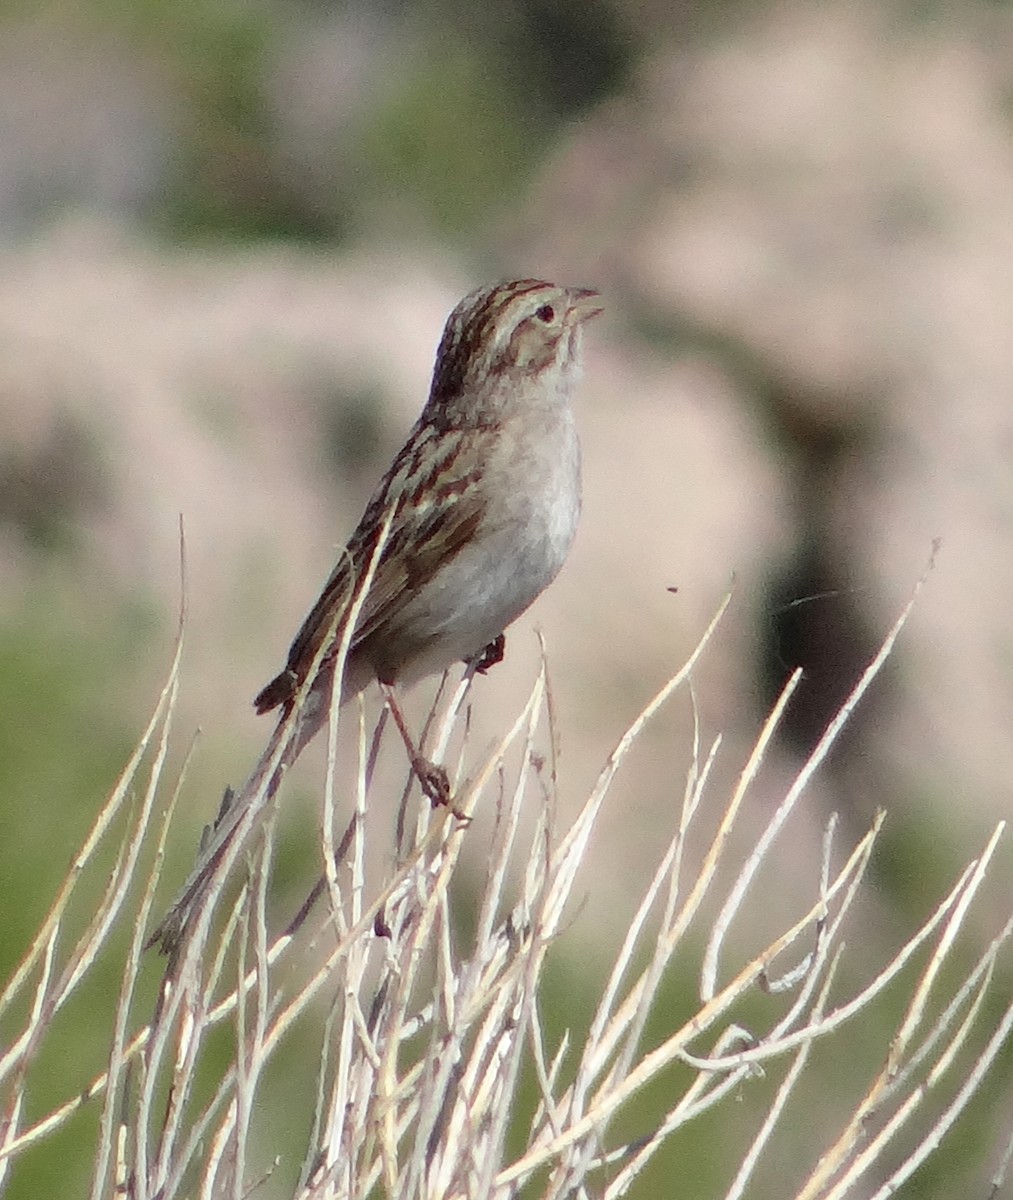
(434, 486)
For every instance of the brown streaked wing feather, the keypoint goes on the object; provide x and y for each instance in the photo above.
(417, 544)
(423, 538)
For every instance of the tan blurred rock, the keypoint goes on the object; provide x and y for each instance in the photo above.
(826, 192)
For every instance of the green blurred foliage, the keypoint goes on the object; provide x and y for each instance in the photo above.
(216, 54)
(456, 106)
(446, 149)
(64, 738)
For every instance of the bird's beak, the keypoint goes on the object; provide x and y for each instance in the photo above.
(585, 303)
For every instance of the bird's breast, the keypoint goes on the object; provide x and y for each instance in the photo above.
(530, 508)
(533, 494)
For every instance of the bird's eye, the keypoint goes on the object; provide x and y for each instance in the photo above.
(546, 313)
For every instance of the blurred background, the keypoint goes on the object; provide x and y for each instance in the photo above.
(229, 236)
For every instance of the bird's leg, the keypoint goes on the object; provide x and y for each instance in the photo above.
(432, 777)
(490, 656)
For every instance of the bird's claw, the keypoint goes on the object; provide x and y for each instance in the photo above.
(434, 780)
(491, 655)
(436, 785)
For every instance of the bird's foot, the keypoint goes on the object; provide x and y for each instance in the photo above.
(436, 785)
(491, 655)
(434, 781)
